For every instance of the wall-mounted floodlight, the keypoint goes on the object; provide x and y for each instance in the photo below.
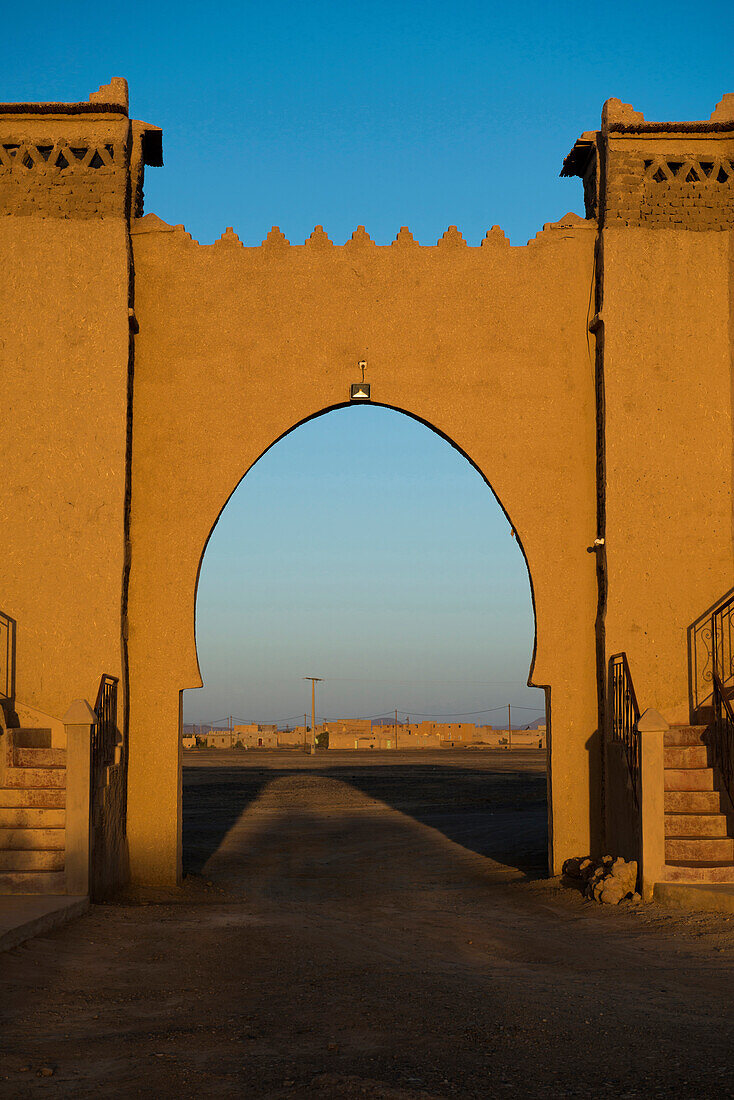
(360, 391)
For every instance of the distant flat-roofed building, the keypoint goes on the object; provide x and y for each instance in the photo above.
(298, 736)
(449, 733)
(531, 739)
(358, 733)
(406, 736)
(219, 739)
(255, 735)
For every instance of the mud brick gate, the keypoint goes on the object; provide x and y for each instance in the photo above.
(587, 376)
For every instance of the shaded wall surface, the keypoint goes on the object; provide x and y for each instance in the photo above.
(488, 346)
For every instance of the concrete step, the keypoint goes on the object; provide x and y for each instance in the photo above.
(32, 882)
(687, 756)
(39, 758)
(686, 871)
(678, 736)
(30, 737)
(51, 798)
(689, 779)
(712, 897)
(699, 849)
(24, 917)
(26, 859)
(692, 802)
(700, 825)
(35, 777)
(32, 838)
(31, 817)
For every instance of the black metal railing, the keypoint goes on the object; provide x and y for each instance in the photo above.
(701, 645)
(722, 730)
(104, 739)
(722, 635)
(722, 735)
(7, 657)
(624, 715)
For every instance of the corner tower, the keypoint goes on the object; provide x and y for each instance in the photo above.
(658, 175)
(663, 193)
(71, 177)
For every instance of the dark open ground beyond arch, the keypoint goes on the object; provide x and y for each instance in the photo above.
(490, 802)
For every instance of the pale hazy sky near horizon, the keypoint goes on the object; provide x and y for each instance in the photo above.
(362, 548)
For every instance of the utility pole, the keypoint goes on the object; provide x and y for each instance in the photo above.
(509, 724)
(396, 727)
(314, 681)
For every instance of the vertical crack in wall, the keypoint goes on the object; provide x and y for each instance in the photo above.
(601, 481)
(731, 352)
(129, 200)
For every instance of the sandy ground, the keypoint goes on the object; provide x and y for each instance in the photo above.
(370, 925)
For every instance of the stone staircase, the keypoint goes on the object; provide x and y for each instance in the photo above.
(32, 813)
(699, 834)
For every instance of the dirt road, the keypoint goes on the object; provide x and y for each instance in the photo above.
(366, 925)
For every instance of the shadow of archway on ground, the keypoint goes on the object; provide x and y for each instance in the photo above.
(495, 808)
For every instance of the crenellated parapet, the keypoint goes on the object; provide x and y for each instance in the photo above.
(658, 175)
(360, 241)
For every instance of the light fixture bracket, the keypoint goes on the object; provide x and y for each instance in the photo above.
(360, 391)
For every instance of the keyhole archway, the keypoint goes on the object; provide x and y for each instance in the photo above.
(363, 546)
(486, 346)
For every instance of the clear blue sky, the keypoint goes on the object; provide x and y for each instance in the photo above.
(384, 556)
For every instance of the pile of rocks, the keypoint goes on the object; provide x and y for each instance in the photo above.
(606, 880)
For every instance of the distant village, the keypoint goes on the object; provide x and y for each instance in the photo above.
(362, 733)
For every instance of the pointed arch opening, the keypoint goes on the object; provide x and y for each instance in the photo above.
(412, 659)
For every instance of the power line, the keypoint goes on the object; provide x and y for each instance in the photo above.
(364, 717)
(463, 714)
(380, 714)
(248, 721)
(367, 680)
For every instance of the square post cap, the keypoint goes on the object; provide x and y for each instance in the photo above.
(651, 721)
(80, 714)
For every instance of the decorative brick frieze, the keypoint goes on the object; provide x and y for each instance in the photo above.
(66, 179)
(691, 190)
